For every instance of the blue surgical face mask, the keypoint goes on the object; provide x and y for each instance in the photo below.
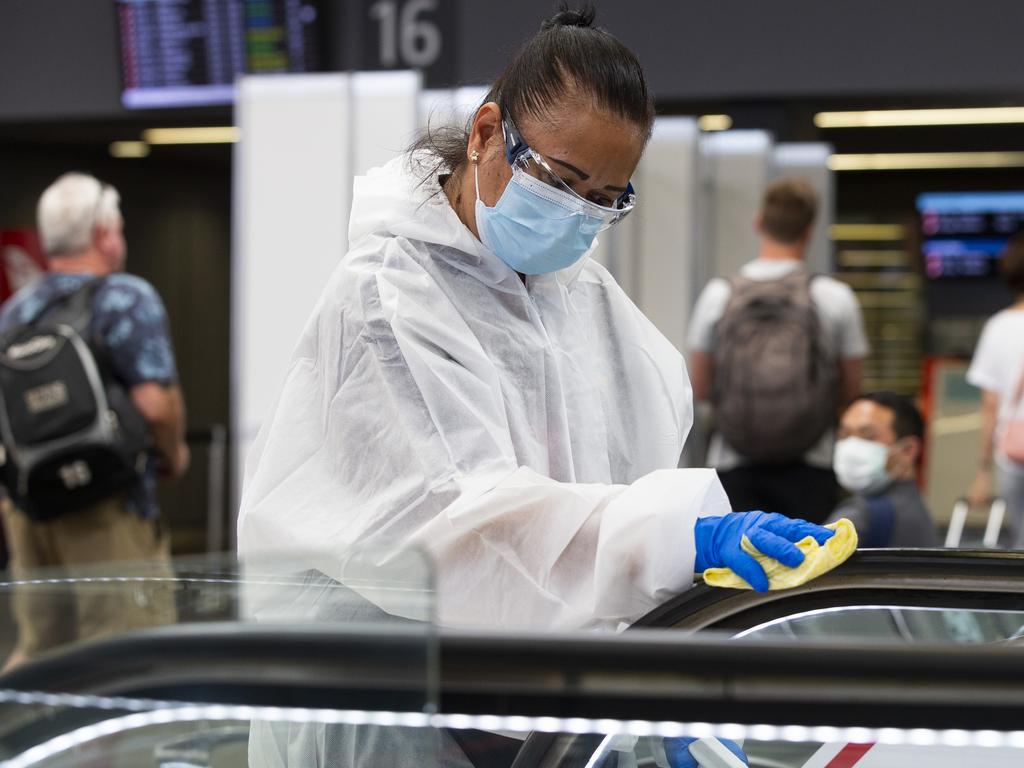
(535, 228)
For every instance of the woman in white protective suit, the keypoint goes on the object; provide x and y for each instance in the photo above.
(472, 384)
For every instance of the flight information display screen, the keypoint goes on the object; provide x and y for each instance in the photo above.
(178, 53)
(963, 234)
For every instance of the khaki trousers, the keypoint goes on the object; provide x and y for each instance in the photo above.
(62, 601)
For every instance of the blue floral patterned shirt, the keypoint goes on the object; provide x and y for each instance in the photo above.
(129, 316)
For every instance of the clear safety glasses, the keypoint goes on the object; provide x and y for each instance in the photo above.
(552, 187)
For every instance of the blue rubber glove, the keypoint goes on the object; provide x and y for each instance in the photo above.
(677, 750)
(718, 539)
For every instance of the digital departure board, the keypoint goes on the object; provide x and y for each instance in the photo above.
(963, 234)
(188, 52)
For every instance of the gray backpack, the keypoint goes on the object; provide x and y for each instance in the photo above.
(775, 382)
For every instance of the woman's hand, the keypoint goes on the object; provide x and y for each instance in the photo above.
(718, 541)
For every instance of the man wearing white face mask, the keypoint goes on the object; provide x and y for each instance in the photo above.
(876, 459)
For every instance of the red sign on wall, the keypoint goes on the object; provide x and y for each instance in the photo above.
(21, 260)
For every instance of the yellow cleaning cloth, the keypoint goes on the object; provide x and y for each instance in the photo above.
(818, 559)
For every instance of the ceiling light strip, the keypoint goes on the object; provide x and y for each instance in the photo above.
(714, 122)
(867, 232)
(890, 118)
(921, 161)
(129, 149)
(221, 134)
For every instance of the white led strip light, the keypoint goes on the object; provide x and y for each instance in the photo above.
(161, 713)
(265, 581)
(878, 118)
(851, 609)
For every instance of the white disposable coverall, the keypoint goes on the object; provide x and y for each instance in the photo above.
(525, 436)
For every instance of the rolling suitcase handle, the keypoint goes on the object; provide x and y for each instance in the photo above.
(956, 522)
(996, 514)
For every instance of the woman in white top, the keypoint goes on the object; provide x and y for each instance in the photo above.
(998, 370)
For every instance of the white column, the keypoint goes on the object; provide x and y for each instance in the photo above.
(303, 139)
(736, 165)
(385, 114)
(664, 273)
(652, 252)
(450, 106)
(291, 197)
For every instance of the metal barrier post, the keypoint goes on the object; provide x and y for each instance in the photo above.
(216, 465)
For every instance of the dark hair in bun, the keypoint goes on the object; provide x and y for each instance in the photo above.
(584, 17)
(569, 52)
(569, 56)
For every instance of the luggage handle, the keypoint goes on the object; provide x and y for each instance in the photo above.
(996, 515)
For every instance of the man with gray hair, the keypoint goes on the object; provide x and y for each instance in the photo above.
(82, 234)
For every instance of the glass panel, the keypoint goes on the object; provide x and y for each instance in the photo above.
(907, 624)
(44, 613)
(62, 732)
(148, 734)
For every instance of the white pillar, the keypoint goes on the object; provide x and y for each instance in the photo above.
(736, 165)
(450, 106)
(385, 116)
(652, 252)
(290, 220)
(303, 139)
(664, 274)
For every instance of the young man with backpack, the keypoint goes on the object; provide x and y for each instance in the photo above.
(90, 413)
(778, 351)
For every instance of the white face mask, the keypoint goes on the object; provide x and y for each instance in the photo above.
(860, 465)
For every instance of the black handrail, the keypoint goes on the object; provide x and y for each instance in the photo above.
(957, 576)
(639, 675)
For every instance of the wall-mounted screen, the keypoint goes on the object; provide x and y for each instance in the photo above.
(177, 53)
(964, 233)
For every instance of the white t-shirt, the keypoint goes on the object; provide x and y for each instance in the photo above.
(840, 317)
(998, 365)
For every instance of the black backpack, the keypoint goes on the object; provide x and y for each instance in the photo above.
(774, 382)
(71, 435)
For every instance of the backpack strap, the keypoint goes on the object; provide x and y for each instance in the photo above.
(806, 275)
(881, 517)
(74, 309)
(739, 280)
